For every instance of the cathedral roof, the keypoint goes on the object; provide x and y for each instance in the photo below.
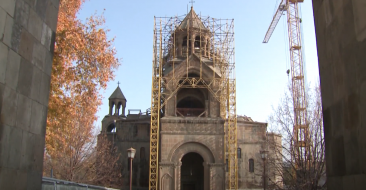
(193, 20)
(117, 94)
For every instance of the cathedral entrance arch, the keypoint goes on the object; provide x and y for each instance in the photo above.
(191, 165)
(192, 175)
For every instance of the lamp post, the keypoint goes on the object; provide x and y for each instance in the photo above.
(131, 154)
(264, 157)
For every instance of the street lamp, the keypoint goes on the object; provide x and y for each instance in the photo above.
(264, 157)
(131, 154)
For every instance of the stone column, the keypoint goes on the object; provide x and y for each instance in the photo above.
(206, 108)
(193, 36)
(204, 46)
(206, 176)
(208, 48)
(116, 109)
(177, 169)
(111, 107)
(175, 105)
(27, 35)
(123, 110)
(179, 45)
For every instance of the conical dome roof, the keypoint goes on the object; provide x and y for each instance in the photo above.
(193, 20)
(117, 94)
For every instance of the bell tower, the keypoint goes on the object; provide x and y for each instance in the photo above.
(191, 67)
(116, 100)
(187, 70)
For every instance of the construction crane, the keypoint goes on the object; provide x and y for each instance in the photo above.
(301, 140)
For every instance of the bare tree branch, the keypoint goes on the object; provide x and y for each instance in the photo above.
(297, 172)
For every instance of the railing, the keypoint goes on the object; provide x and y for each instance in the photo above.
(190, 112)
(54, 184)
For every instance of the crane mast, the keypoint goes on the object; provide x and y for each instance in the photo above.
(155, 107)
(301, 140)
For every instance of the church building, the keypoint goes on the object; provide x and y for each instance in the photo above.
(192, 132)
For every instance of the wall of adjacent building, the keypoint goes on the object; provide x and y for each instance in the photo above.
(27, 35)
(133, 134)
(275, 159)
(251, 140)
(341, 41)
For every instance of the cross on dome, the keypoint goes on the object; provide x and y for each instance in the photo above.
(192, 2)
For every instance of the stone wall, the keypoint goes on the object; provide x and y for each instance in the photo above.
(135, 134)
(176, 131)
(179, 136)
(27, 34)
(341, 42)
(275, 158)
(251, 139)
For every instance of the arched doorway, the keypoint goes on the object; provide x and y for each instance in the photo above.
(192, 173)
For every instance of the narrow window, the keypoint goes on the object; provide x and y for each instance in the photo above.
(251, 165)
(112, 127)
(135, 130)
(184, 41)
(239, 153)
(197, 43)
(142, 153)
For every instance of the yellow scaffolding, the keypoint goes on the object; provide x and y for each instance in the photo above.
(219, 48)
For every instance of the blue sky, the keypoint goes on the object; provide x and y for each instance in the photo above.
(260, 68)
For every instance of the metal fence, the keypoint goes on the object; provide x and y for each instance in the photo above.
(57, 184)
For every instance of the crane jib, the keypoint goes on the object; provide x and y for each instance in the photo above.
(281, 8)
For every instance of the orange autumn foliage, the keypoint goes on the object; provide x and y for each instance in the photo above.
(84, 61)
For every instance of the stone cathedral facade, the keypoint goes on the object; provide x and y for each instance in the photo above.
(192, 135)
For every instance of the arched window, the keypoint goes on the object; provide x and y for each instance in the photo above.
(111, 128)
(184, 41)
(135, 130)
(239, 153)
(142, 153)
(190, 102)
(197, 42)
(251, 165)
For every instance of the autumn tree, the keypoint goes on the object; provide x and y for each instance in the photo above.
(297, 172)
(84, 61)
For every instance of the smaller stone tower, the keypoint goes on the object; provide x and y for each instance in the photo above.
(116, 100)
